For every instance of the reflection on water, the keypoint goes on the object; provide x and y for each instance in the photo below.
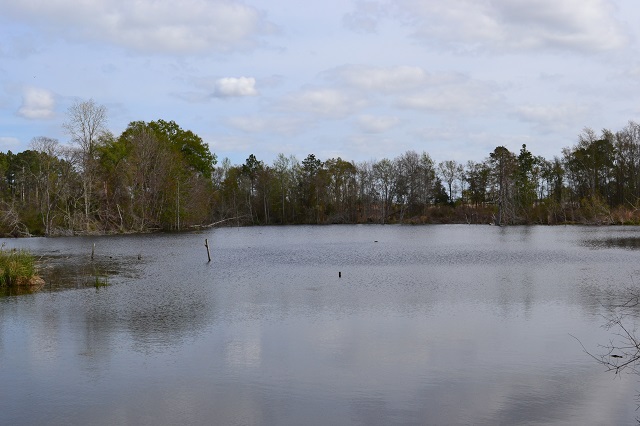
(426, 325)
(73, 271)
(631, 243)
(20, 290)
(62, 272)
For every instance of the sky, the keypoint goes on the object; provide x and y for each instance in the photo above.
(360, 80)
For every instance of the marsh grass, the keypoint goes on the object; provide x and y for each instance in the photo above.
(101, 281)
(17, 268)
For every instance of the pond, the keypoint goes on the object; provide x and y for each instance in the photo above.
(317, 325)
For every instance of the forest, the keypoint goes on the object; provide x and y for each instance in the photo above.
(157, 176)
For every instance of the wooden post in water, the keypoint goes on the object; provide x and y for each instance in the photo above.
(93, 249)
(206, 244)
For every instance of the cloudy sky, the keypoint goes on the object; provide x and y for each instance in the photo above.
(361, 80)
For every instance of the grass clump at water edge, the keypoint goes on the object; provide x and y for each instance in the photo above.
(18, 268)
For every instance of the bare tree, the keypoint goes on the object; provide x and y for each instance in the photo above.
(86, 125)
(450, 171)
(10, 222)
(47, 181)
(282, 166)
(384, 172)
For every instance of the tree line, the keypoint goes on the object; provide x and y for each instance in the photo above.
(158, 176)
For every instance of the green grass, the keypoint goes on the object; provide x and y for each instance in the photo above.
(17, 267)
(101, 281)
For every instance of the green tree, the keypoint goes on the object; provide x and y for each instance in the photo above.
(590, 165)
(150, 172)
(192, 177)
(311, 187)
(525, 182)
(627, 165)
(156, 176)
(252, 169)
(194, 152)
(477, 177)
(341, 190)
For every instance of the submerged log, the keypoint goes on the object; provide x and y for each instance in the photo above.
(211, 225)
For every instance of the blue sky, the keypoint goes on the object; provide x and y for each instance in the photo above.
(362, 80)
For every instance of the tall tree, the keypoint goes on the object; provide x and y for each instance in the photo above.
(86, 125)
(282, 167)
(194, 151)
(252, 169)
(477, 176)
(503, 163)
(525, 182)
(195, 166)
(310, 182)
(590, 167)
(48, 179)
(450, 171)
(384, 174)
(341, 179)
(627, 165)
(430, 183)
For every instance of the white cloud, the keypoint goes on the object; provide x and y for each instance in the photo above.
(8, 143)
(467, 97)
(633, 72)
(235, 87)
(370, 146)
(37, 104)
(365, 18)
(377, 124)
(230, 143)
(583, 25)
(386, 80)
(192, 97)
(548, 118)
(158, 26)
(273, 124)
(18, 44)
(330, 103)
(587, 25)
(356, 87)
(249, 124)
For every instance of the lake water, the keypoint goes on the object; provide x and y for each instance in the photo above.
(426, 325)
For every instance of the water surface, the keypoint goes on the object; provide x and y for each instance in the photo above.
(426, 325)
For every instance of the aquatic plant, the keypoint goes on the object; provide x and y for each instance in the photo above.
(101, 281)
(17, 268)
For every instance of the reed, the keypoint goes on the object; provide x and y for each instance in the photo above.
(101, 281)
